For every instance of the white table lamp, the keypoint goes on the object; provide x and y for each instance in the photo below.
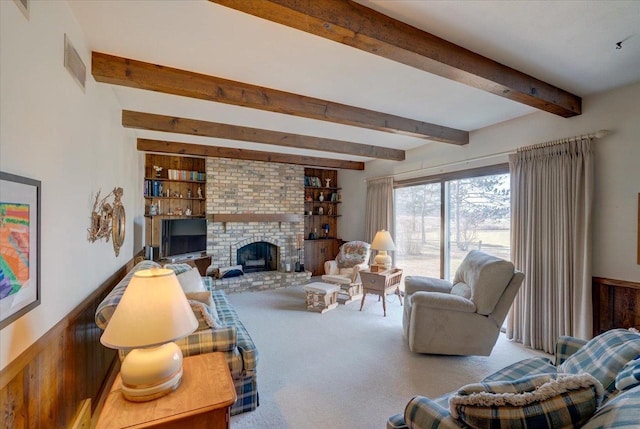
(383, 243)
(152, 313)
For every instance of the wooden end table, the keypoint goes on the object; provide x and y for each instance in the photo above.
(202, 400)
(381, 283)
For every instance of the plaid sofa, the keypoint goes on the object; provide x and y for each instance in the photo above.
(231, 338)
(607, 357)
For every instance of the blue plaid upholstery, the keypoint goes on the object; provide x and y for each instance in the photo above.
(604, 356)
(544, 401)
(424, 413)
(619, 409)
(110, 302)
(565, 347)
(619, 412)
(397, 422)
(230, 337)
(629, 376)
(178, 268)
(523, 368)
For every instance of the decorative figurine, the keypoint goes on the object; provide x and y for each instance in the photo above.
(189, 193)
(153, 210)
(320, 210)
(158, 169)
(188, 212)
(328, 180)
(199, 192)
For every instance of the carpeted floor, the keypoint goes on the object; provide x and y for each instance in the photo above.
(344, 368)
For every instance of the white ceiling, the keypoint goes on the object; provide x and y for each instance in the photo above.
(569, 44)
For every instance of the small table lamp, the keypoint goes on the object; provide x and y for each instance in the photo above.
(152, 313)
(382, 242)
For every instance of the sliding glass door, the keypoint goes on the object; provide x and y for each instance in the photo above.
(418, 229)
(440, 219)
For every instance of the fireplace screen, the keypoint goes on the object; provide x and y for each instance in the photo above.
(258, 256)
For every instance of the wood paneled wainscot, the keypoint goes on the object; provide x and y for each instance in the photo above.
(60, 379)
(616, 304)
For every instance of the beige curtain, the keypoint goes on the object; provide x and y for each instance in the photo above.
(379, 208)
(551, 199)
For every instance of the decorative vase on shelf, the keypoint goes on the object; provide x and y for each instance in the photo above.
(321, 197)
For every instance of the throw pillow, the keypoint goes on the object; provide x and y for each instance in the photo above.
(604, 356)
(203, 314)
(546, 401)
(191, 281)
(629, 376)
(228, 272)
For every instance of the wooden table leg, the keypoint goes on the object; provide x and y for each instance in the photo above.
(384, 303)
(364, 295)
(399, 295)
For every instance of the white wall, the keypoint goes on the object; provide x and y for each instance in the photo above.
(617, 182)
(71, 141)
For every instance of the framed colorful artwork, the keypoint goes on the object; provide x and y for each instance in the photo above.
(19, 246)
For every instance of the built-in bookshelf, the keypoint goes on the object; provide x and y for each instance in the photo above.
(322, 198)
(174, 187)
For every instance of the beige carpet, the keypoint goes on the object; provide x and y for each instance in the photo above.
(344, 368)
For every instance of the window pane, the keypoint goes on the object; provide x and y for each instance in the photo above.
(478, 217)
(417, 218)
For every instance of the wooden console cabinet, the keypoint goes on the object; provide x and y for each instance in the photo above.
(318, 251)
(616, 304)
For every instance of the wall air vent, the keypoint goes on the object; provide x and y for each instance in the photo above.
(73, 63)
(23, 5)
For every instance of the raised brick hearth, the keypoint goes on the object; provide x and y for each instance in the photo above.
(253, 187)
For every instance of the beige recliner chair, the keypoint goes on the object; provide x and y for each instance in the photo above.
(463, 317)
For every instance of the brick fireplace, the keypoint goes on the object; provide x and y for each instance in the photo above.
(259, 190)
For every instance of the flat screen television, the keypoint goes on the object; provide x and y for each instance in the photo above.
(183, 238)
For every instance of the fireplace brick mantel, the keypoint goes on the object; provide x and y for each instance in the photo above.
(254, 201)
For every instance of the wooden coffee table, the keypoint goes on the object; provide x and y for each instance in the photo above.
(381, 283)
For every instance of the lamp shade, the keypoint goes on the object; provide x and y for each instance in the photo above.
(152, 311)
(383, 241)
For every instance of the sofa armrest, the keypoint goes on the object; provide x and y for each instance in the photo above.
(222, 339)
(427, 284)
(565, 347)
(331, 267)
(422, 412)
(443, 301)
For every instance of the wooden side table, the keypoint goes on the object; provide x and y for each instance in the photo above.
(202, 400)
(381, 283)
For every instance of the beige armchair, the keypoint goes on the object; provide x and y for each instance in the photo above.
(463, 317)
(352, 258)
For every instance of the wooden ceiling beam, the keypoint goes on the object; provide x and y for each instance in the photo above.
(137, 74)
(195, 127)
(360, 27)
(178, 148)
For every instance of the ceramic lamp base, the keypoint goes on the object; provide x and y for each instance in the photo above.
(151, 372)
(383, 260)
